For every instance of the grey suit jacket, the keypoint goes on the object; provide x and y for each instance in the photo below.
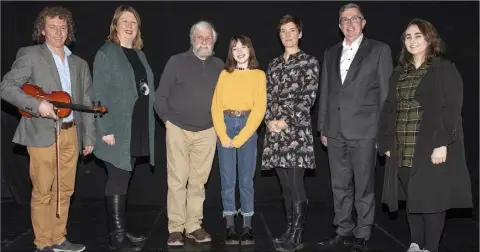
(353, 108)
(35, 64)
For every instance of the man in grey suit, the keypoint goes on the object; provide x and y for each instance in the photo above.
(353, 87)
(52, 67)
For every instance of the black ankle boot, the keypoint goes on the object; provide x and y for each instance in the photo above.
(289, 218)
(116, 218)
(295, 240)
(247, 236)
(231, 236)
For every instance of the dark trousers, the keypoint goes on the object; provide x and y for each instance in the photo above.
(118, 179)
(291, 180)
(425, 228)
(352, 166)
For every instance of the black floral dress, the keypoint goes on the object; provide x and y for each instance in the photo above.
(291, 91)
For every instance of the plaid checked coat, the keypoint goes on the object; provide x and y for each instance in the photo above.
(432, 187)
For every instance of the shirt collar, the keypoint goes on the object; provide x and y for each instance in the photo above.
(355, 43)
(65, 49)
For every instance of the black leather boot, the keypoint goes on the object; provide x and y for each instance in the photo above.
(289, 218)
(116, 218)
(135, 238)
(295, 240)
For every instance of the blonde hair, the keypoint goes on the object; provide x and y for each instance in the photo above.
(113, 36)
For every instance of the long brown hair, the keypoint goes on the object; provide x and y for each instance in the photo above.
(231, 63)
(113, 36)
(435, 47)
(52, 12)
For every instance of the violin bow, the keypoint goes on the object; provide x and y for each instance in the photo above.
(57, 145)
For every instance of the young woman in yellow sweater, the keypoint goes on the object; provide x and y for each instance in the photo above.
(238, 107)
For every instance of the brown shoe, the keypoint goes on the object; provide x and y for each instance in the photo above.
(200, 236)
(175, 239)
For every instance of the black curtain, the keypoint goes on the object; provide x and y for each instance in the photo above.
(165, 30)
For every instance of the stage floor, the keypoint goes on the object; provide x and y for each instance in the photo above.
(88, 225)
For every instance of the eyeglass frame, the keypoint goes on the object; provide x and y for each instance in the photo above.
(346, 20)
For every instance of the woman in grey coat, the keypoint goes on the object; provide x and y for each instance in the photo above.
(123, 81)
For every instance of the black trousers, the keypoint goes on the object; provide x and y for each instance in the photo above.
(425, 228)
(291, 180)
(118, 179)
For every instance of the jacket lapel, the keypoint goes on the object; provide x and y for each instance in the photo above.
(338, 55)
(148, 72)
(72, 67)
(362, 51)
(423, 85)
(47, 55)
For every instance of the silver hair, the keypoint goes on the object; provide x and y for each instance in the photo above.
(203, 24)
(349, 6)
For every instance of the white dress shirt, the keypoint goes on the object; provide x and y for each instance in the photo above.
(348, 53)
(64, 74)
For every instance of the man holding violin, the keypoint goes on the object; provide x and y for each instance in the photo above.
(51, 66)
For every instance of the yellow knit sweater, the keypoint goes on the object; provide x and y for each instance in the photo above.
(239, 90)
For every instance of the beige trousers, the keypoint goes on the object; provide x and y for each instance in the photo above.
(189, 162)
(47, 227)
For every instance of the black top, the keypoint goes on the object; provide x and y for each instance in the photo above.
(139, 137)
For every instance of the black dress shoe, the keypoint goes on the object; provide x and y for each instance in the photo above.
(232, 236)
(247, 237)
(360, 245)
(337, 240)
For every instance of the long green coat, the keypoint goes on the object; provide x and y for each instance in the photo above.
(114, 86)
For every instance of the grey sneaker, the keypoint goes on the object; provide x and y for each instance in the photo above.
(67, 246)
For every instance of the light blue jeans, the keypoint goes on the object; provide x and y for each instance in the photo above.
(247, 158)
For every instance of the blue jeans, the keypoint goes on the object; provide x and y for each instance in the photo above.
(247, 159)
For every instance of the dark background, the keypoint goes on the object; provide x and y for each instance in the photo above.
(165, 30)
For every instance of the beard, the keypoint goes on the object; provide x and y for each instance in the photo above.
(203, 51)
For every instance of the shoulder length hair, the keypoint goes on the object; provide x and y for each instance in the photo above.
(231, 63)
(435, 47)
(113, 36)
(52, 12)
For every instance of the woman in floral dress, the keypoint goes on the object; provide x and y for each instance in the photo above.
(292, 83)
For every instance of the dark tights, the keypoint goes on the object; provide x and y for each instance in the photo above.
(118, 179)
(425, 228)
(291, 180)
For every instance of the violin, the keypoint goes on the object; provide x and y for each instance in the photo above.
(61, 100)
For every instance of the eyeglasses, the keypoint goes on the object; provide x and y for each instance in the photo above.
(353, 20)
